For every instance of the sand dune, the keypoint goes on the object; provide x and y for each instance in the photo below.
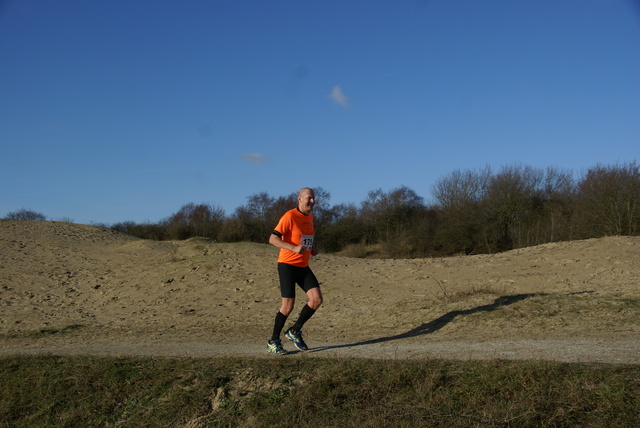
(67, 288)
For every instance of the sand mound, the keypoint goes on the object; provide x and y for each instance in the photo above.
(67, 288)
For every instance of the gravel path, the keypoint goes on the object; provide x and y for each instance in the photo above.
(577, 350)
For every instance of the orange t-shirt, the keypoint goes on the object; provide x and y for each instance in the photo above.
(296, 229)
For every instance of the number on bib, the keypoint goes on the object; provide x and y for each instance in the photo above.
(307, 242)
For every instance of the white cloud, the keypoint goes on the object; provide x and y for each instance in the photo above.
(339, 97)
(256, 158)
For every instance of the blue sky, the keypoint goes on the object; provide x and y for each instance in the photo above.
(126, 110)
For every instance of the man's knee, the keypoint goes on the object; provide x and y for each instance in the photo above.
(315, 303)
(315, 299)
(286, 307)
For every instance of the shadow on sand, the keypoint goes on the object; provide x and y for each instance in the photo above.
(438, 323)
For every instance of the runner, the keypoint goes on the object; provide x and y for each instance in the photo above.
(294, 236)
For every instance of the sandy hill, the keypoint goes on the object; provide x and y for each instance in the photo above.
(67, 288)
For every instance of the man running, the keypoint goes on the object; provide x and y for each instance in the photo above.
(294, 236)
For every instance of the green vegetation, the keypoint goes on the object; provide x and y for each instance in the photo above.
(472, 211)
(311, 392)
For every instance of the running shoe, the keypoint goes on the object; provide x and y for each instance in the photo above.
(296, 338)
(276, 348)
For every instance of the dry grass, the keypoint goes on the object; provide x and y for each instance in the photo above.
(84, 391)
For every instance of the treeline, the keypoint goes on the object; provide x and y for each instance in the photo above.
(471, 211)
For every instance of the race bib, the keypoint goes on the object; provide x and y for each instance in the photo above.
(307, 242)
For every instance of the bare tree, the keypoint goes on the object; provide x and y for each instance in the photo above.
(461, 189)
(195, 220)
(508, 200)
(344, 228)
(558, 199)
(459, 199)
(391, 212)
(322, 212)
(257, 217)
(25, 214)
(609, 201)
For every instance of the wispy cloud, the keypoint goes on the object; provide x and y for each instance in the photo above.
(256, 158)
(18, 164)
(339, 97)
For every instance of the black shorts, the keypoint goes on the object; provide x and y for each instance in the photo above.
(292, 275)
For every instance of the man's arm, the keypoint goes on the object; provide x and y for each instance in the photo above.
(277, 241)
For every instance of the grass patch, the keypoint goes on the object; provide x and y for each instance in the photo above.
(621, 312)
(63, 330)
(42, 332)
(299, 392)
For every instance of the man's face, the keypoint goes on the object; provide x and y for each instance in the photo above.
(306, 200)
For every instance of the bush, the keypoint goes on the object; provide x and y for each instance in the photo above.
(25, 214)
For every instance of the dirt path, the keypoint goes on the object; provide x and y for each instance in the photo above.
(567, 350)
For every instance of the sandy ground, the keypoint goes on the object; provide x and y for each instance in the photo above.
(75, 289)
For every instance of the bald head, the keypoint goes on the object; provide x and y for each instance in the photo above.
(306, 200)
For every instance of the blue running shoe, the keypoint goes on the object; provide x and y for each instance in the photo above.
(296, 338)
(276, 348)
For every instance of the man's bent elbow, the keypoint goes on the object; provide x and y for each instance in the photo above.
(273, 239)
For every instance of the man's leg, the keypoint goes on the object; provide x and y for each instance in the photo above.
(286, 273)
(281, 317)
(288, 293)
(278, 325)
(314, 301)
(295, 333)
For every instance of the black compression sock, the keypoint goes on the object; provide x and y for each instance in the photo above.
(305, 314)
(278, 325)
